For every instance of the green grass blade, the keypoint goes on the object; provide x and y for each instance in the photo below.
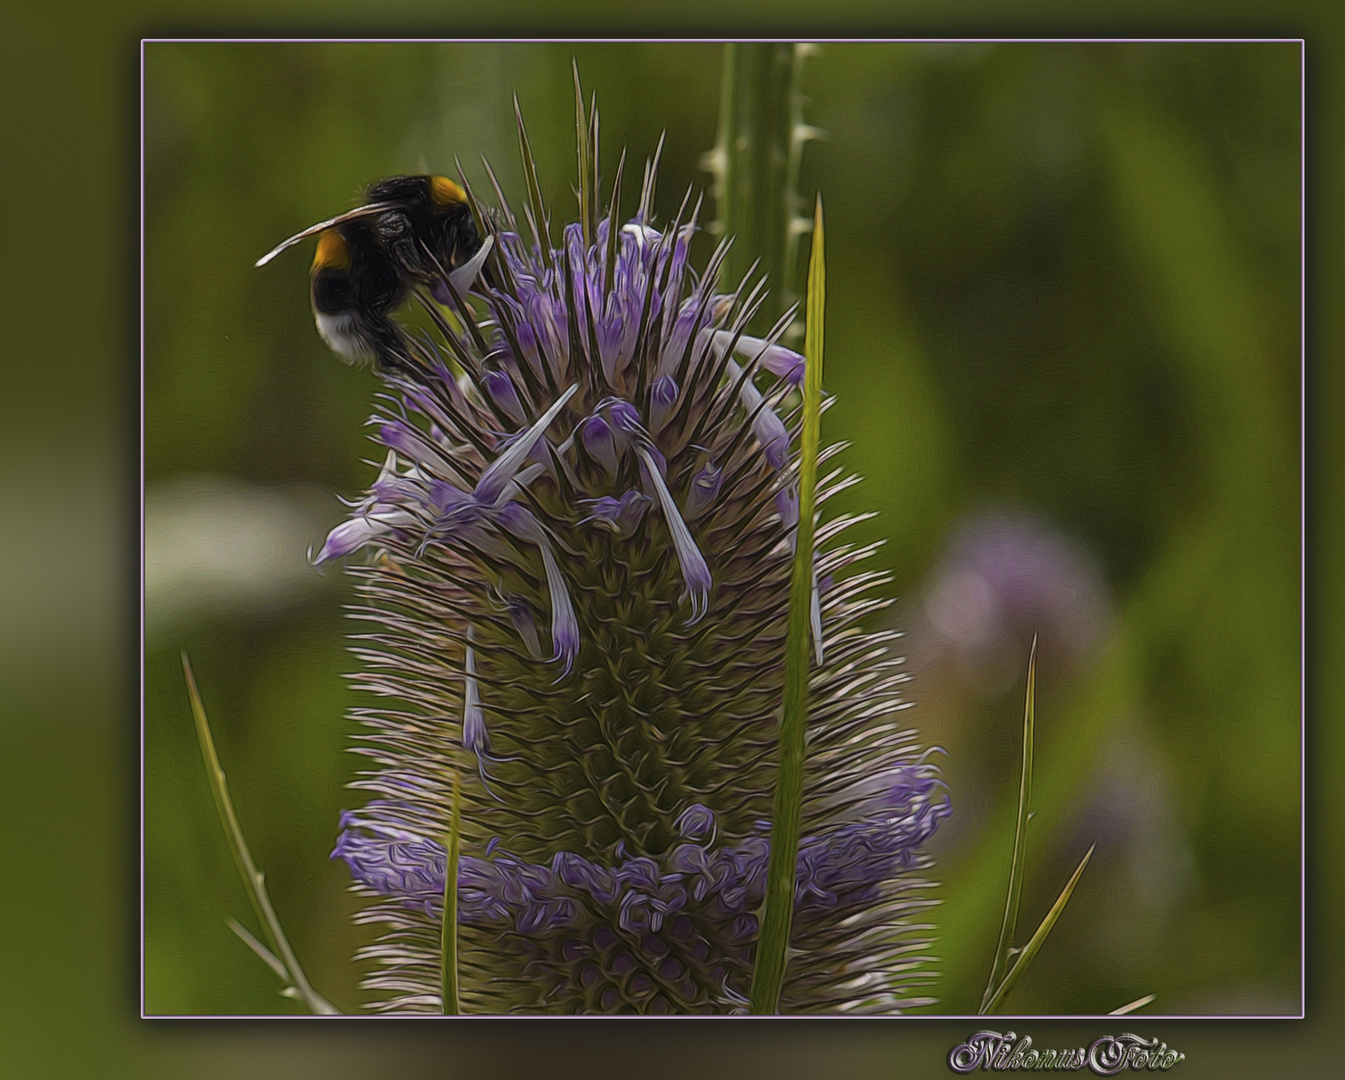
(1016, 867)
(1030, 950)
(449, 939)
(768, 975)
(252, 877)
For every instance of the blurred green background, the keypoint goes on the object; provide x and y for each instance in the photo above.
(1063, 335)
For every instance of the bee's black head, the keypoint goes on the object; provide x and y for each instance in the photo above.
(430, 229)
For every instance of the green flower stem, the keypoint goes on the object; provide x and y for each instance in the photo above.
(756, 163)
(253, 878)
(772, 946)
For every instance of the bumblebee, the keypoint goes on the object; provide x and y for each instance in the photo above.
(411, 230)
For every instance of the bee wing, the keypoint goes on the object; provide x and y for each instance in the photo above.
(322, 226)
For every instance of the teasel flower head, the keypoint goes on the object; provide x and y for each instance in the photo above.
(574, 607)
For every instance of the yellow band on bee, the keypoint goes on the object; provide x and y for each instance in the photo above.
(446, 193)
(332, 251)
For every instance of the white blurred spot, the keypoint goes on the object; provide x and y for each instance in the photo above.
(220, 547)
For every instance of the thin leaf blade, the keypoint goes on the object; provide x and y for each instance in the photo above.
(252, 877)
(777, 917)
(1018, 863)
(1035, 943)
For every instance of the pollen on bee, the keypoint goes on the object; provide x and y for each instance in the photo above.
(333, 251)
(446, 193)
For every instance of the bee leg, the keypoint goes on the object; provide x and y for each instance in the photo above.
(390, 346)
(396, 352)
